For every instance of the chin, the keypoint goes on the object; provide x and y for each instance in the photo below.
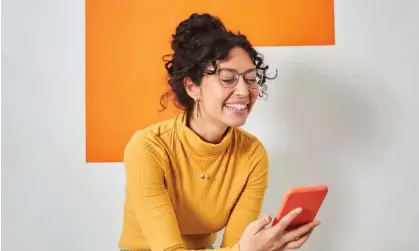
(235, 118)
(235, 122)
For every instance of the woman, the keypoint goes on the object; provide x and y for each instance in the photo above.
(189, 177)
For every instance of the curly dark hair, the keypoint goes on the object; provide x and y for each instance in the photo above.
(200, 40)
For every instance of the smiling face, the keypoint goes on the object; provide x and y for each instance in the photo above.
(222, 101)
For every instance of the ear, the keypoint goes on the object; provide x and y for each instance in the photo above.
(193, 90)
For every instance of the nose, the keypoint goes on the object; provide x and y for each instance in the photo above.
(241, 87)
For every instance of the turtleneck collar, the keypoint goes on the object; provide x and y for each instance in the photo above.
(194, 144)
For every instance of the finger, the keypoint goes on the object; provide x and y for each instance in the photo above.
(299, 242)
(257, 225)
(287, 219)
(303, 230)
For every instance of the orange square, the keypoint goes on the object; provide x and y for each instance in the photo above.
(125, 42)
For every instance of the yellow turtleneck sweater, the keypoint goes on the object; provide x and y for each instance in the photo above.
(170, 207)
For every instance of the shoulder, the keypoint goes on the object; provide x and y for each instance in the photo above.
(249, 143)
(251, 150)
(150, 138)
(255, 155)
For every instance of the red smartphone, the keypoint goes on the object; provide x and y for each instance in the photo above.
(309, 198)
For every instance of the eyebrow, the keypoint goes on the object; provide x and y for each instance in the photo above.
(227, 68)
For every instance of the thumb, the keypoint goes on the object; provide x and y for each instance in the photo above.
(260, 224)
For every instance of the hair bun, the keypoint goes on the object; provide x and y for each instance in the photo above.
(195, 25)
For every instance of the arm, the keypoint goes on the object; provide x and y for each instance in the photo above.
(144, 161)
(249, 204)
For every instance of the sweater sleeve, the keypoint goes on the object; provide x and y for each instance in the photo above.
(249, 204)
(144, 162)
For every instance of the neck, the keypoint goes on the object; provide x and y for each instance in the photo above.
(207, 130)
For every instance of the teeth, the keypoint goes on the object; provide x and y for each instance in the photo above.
(236, 106)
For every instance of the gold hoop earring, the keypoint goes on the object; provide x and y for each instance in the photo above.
(196, 109)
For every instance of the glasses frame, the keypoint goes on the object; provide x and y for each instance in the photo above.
(238, 77)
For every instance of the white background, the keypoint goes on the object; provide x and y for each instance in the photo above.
(344, 115)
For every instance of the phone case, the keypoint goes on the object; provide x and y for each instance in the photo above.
(309, 198)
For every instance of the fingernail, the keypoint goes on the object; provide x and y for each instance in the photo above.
(299, 210)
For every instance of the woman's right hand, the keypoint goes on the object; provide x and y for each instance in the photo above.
(257, 237)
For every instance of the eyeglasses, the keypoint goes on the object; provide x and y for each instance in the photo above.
(230, 77)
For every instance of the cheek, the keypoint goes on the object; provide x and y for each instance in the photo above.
(254, 94)
(221, 95)
(216, 97)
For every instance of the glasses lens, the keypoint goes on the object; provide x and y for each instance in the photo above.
(252, 79)
(228, 78)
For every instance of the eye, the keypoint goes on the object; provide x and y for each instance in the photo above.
(253, 80)
(230, 80)
(228, 76)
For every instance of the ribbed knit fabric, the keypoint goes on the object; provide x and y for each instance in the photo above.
(169, 207)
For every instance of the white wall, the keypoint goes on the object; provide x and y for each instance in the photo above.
(344, 115)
